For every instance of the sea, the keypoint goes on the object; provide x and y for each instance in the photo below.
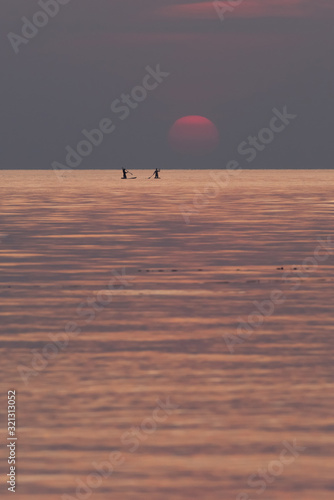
(168, 338)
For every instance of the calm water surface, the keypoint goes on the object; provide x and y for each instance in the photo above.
(155, 297)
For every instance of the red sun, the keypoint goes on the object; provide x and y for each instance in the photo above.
(193, 134)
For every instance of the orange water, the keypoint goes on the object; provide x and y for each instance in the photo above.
(187, 285)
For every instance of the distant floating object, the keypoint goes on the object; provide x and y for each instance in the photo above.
(155, 174)
(125, 172)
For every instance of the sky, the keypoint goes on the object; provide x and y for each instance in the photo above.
(232, 62)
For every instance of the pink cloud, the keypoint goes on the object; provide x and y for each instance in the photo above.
(247, 8)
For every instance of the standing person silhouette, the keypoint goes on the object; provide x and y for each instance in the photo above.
(156, 173)
(125, 171)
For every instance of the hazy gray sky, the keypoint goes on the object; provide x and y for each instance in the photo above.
(232, 63)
